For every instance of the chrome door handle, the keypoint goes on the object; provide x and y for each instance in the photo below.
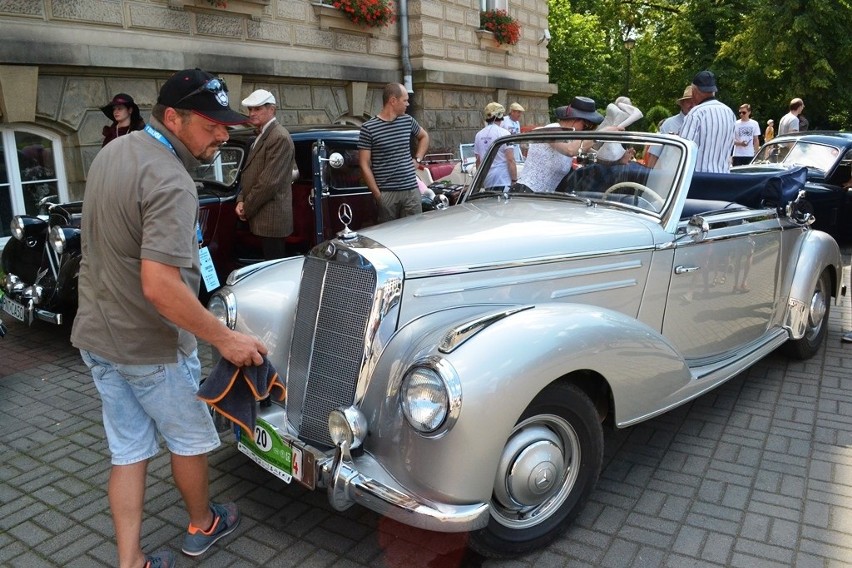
(685, 269)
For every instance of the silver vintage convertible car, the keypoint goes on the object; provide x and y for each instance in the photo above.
(456, 370)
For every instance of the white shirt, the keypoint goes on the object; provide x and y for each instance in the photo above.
(513, 126)
(545, 166)
(710, 124)
(745, 132)
(671, 125)
(498, 174)
(788, 123)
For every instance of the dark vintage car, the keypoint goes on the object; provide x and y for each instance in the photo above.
(828, 157)
(42, 260)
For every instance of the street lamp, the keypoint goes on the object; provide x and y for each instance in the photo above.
(629, 44)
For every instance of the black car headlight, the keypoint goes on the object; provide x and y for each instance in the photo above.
(430, 396)
(223, 305)
(28, 229)
(17, 227)
(63, 238)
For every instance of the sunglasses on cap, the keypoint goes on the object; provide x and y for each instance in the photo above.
(214, 85)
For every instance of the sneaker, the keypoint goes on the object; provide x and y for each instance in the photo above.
(846, 337)
(160, 559)
(225, 521)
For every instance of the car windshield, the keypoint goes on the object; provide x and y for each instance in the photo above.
(821, 157)
(629, 170)
(224, 167)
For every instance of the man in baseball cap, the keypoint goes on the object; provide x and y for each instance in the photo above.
(710, 124)
(201, 93)
(138, 307)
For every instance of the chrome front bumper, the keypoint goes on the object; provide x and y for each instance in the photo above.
(367, 484)
(364, 481)
(33, 312)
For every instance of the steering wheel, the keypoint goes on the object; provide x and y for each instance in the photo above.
(639, 190)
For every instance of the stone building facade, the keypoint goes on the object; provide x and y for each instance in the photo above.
(60, 60)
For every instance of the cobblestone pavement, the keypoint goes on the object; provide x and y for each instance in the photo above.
(756, 473)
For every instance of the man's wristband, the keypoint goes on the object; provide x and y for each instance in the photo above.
(418, 160)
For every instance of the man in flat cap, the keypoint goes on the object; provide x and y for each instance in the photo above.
(266, 197)
(139, 313)
(711, 125)
(512, 121)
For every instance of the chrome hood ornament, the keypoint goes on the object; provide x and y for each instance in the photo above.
(344, 214)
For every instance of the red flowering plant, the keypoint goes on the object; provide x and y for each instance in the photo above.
(505, 28)
(366, 13)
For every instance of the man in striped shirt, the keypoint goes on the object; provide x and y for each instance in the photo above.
(710, 124)
(384, 154)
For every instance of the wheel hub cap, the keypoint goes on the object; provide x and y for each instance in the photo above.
(531, 468)
(816, 312)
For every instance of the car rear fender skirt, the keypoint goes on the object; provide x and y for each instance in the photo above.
(817, 252)
(501, 369)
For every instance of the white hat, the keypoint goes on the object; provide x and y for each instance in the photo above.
(611, 152)
(494, 110)
(259, 98)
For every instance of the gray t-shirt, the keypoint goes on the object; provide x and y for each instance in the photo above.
(140, 202)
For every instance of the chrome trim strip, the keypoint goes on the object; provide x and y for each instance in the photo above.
(459, 334)
(579, 290)
(714, 375)
(531, 279)
(456, 270)
(797, 318)
(246, 271)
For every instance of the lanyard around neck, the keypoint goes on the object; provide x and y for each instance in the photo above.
(156, 135)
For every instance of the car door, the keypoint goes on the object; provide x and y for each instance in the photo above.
(723, 293)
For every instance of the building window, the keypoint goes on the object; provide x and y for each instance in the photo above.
(31, 168)
(493, 5)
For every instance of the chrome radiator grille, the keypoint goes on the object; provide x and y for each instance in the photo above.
(335, 301)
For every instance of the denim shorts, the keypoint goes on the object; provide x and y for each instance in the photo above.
(140, 401)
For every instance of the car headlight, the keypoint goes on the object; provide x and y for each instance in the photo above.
(430, 396)
(223, 305)
(17, 227)
(57, 239)
(347, 425)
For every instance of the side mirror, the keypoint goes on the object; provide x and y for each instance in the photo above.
(335, 160)
(800, 210)
(697, 228)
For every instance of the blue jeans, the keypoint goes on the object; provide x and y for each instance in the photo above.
(140, 401)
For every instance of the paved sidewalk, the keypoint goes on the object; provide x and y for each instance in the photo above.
(756, 473)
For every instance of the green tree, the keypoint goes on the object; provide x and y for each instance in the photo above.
(763, 52)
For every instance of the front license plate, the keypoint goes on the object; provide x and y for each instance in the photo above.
(13, 308)
(276, 455)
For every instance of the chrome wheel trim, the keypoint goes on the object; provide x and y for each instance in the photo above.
(816, 311)
(538, 469)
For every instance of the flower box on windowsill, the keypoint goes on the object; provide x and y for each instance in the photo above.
(253, 8)
(331, 18)
(487, 41)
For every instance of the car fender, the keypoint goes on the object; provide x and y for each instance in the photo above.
(817, 251)
(266, 299)
(500, 370)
